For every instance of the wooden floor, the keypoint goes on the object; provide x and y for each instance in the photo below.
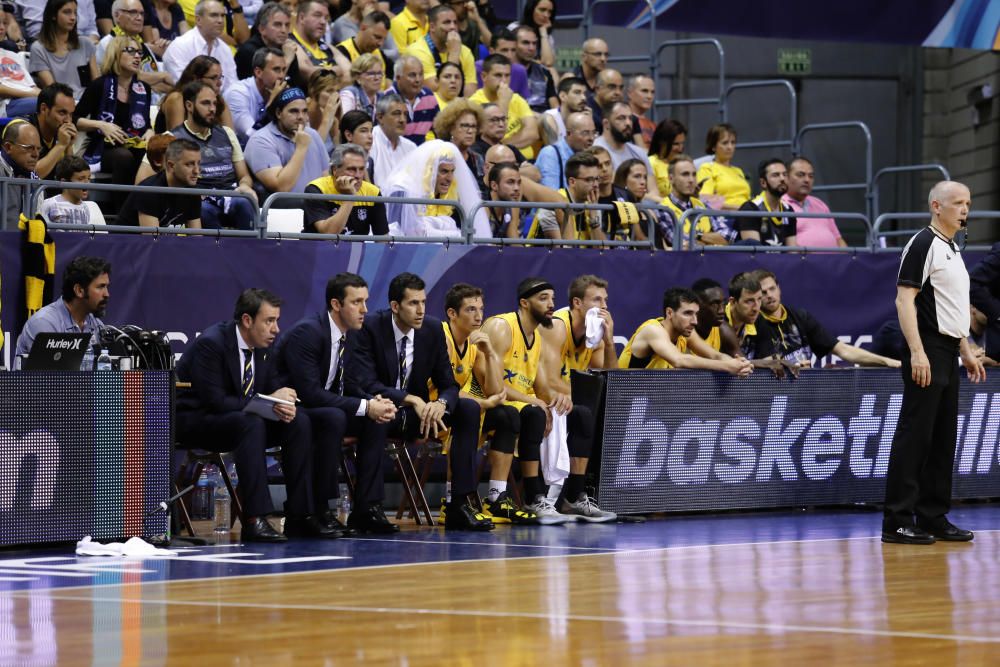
(839, 600)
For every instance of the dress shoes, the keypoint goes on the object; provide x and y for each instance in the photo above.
(945, 530)
(310, 526)
(462, 516)
(371, 519)
(330, 518)
(257, 529)
(906, 535)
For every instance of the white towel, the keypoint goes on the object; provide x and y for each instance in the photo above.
(135, 547)
(555, 451)
(595, 328)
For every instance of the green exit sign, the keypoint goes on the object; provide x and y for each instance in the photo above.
(795, 62)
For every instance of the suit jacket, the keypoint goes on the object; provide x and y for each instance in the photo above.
(303, 357)
(373, 367)
(212, 365)
(984, 280)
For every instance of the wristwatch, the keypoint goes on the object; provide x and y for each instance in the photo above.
(442, 402)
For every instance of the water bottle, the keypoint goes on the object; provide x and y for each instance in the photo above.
(87, 364)
(221, 503)
(345, 503)
(104, 360)
(201, 497)
(233, 477)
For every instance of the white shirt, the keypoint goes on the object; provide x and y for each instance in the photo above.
(399, 335)
(241, 345)
(560, 123)
(385, 157)
(245, 103)
(335, 334)
(184, 49)
(58, 209)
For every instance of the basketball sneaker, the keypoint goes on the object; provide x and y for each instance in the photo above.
(441, 514)
(586, 510)
(546, 512)
(504, 510)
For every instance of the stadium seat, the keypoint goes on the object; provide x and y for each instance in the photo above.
(285, 220)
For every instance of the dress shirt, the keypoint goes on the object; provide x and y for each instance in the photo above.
(398, 335)
(247, 106)
(184, 49)
(56, 318)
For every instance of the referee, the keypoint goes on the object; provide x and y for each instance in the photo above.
(932, 300)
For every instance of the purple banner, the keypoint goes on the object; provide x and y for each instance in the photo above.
(182, 285)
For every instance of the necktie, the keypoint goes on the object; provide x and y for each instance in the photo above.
(247, 374)
(402, 362)
(338, 375)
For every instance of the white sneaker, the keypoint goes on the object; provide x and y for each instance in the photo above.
(586, 509)
(545, 509)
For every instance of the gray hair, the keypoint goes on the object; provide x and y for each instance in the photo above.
(386, 101)
(939, 190)
(633, 80)
(268, 11)
(261, 54)
(117, 6)
(337, 157)
(397, 69)
(199, 8)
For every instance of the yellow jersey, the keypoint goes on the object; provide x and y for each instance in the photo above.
(406, 29)
(626, 360)
(461, 361)
(714, 339)
(575, 356)
(520, 363)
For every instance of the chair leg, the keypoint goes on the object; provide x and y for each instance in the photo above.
(348, 463)
(418, 494)
(397, 450)
(182, 511)
(423, 465)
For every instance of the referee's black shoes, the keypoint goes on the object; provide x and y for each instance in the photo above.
(906, 535)
(945, 530)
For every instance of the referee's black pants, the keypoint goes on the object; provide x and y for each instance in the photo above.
(922, 459)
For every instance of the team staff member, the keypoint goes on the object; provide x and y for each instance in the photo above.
(932, 300)
(514, 337)
(477, 370)
(312, 355)
(662, 342)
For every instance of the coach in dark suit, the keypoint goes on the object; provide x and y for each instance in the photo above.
(226, 365)
(312, 356)
(984, 291)
(397, 352)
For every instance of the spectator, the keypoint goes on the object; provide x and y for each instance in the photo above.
(368, 72)
(347, 177)
(369, 40)
(616, 139)
(504, 43)
(769, 231)
(667, 143)
(410, 25)
(128, 16)
(204, 40)
(551, 161)
(522, 126)
(583, 173)
(530, 190)
(286, 154)
(492, 132)
(59, 54)
(323, 106)
(18, 92)
(222, 163)
(389, 145)
(443, 43)
(451, 180)
(271, 30)
(249, 98)
(54, 122)
(202, 68)
(800, 335)
(542, 94)
(610, 90)
(348, 25)
(723, 185)
(539, 14)
(714, 230)
(459, 124)
(608, 192)
(6, 42)
(71, 205)
(421, 104)
(236, 29)
(181, 168)
(451, 84)
(311, 20)
(114, 111)
(572, 99)
(811, 232)
(593, 61)
(504, 181)
(641, 93)
(34, 16)
(156, 150)
(356, 128)
(165, 22)
(630, 178)
(472, 27)
(21, 147)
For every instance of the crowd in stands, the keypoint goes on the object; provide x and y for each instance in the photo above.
(279, 96)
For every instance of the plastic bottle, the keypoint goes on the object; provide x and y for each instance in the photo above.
(345, 503)
(87, 364)
(104, 360)
(222, 504)
(201, 497)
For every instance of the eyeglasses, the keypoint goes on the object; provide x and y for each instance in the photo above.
(134, 13)
(596, 54)
(131, 51)
(497, 119)
(378, 74)
(467, 126)
(28, 148)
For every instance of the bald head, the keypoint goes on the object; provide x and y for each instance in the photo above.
(594, 56)
(949, 203)
(580, 133)
(496, 154)
(609, 87)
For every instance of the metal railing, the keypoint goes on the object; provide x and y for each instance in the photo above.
(692, 101)
(586, 23)
(873, 193)
(865, 187)
(792, 110)
(878, 235)
(154, 231)
(692, 214)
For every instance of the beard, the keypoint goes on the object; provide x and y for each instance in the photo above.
(619, 136)
(202, 120)
(778, 191)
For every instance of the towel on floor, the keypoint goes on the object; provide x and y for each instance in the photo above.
(135, 547)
